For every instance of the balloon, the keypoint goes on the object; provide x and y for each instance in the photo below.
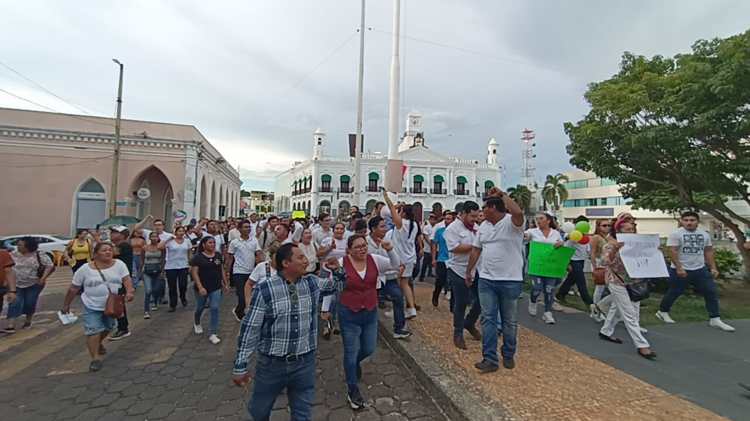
(583, 227)
(568, 227)
(585, 240)
(575, 236)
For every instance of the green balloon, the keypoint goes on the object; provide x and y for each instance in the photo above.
(583, 226)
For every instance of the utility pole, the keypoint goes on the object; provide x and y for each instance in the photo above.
(116, 156)
(393, 171)
(360, 87)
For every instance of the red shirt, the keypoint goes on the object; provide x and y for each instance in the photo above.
(5, 262)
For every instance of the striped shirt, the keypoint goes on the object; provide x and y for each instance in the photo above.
(278, 325)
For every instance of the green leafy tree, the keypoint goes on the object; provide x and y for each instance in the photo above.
(554, 191)
(674, 132)
(522, 195)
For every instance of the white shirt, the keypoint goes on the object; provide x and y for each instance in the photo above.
(177, 254)
(456, 235)
(405, 242)
(378, 250)
(164, 236)
(244, 254)
(311, 252)
(262, 272)
(339, 251)
(296, 235)
(234, 234)
(95, 289)
(427, 232)
(690, 247)
(319, 235)
(502, 250)
(217, 237)
(535, 234)
(581, 250)
(437, 226)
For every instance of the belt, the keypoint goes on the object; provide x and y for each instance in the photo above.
(288, 358)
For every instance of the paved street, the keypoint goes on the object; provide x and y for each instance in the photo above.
(164, 371)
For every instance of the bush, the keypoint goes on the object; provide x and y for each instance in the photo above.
(727, 262)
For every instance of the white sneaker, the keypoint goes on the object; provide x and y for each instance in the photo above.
(532, 309)
(411, 313)
(198, 329)
(717, 323)
(664, 317)
(643, 330)
(547, 317)
(214, 339)
(556, 306)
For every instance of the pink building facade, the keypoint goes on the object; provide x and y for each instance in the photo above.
(56, 172)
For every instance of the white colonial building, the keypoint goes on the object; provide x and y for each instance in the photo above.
(431, 180)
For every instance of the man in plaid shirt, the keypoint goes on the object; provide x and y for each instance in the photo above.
(282, 326)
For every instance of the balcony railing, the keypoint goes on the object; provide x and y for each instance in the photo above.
(461, 192)
(346, 190)
(371, 189)
(439, 191)
(418, 190)
(325, 189)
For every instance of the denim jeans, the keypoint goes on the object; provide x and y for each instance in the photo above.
(577, 277)
(359, 332)
(426, 266)
(441, 278)
(502, 296)
(148, 291)
(539, 285)
(703, 282)
(158, 289)
(26, 299)
(391, 291)
(273, 375)
(137, 274)
(464, 297)
(214, 302)
(177, 277)
(239, 280)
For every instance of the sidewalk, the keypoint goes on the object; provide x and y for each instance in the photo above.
(164, 371)
(550, 381)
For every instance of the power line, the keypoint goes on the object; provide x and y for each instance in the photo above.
(325, 59)
(38, 85)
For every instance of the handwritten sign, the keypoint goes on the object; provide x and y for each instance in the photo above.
(641, 256)
(547, 261)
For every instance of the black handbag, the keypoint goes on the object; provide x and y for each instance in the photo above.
(637, 290)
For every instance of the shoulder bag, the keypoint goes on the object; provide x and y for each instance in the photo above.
(637, 290)
(115, 306)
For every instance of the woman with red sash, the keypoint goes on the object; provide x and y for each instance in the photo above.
(358, 307)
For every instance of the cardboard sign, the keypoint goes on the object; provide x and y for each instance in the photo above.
(547, 261)
(641, 256)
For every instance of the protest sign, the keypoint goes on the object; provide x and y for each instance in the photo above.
(641, 256)
(548, 261)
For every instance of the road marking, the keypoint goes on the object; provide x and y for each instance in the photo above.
(163, 355)
(19, 337)
(34, 354)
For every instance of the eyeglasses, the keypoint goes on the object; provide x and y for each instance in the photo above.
(606, 225)
(359, 247)
(292, 290)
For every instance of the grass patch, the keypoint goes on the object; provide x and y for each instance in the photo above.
(734, 301)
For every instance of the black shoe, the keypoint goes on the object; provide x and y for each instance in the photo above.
(485, 366)
(120, 334)
(164, 302)
(95, 366)
(171, 309)
(356, 401)
(435, 297)
(650, 356)
(474, 333)
(401, 334)
(609, 338)
(509, 363)
(459, 342)
(184, 302)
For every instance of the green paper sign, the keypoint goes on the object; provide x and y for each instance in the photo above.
(548, 261)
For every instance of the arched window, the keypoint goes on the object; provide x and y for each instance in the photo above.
(91, 205)
(325, 184)
(461, 186)
(417, 184)
(437, 184)
(372, 182)
(345, 188)
(488, 185)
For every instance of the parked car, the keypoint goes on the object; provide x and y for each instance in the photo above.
(47, 243)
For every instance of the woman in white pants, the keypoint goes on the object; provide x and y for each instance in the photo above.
(598, 241)
(621, 307)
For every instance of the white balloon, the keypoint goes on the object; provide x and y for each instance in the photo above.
(568, 227)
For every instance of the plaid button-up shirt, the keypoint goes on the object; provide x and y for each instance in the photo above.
(278, 325)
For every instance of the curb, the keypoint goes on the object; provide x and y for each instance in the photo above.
(451, 395)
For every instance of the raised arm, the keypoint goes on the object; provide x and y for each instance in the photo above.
(397, 221)
(143, 223)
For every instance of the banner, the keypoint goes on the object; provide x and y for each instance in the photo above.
(641, 256)
(547, 261)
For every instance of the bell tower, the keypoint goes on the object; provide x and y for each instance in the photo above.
(492, 152)
(319, 140)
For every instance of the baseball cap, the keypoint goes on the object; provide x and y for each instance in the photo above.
(118, 228)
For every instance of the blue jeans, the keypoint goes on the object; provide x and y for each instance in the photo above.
(26, 299)
(391, 291)
(540, 284)
(149, 292)
(137, 274)
(703, 282)
(463, 297)
(95, 322)
(502, 295)
(214, 302)
(359, 331)
(273, 375)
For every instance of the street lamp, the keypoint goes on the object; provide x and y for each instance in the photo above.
(116, 156)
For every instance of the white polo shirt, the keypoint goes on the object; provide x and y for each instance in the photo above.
(502, 250)
(456, 235)
(244, 255)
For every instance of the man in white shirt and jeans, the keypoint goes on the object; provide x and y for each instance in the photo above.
(690, 249)
(499, 243)
(243, 254)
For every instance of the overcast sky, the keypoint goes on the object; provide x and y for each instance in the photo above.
(257, 77)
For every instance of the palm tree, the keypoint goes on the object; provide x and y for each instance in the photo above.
(554, 191)
(522, 195)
